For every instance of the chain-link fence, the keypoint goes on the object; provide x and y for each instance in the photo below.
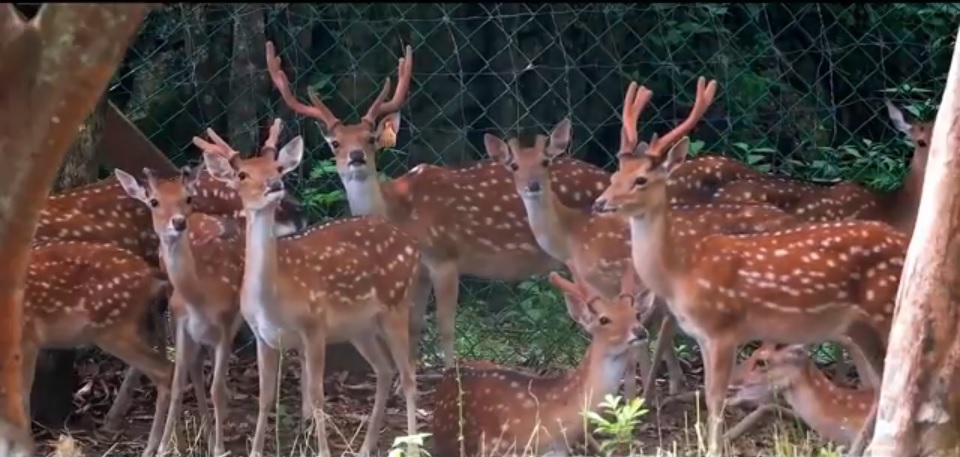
(802, 90)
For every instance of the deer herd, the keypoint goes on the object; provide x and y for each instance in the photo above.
(706, 245)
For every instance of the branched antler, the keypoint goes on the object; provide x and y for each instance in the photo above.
(705, 94)
(633, 102)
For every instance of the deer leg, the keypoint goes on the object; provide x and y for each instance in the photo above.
(268, 363)
(872, 346)
(446, 284)
(421, 297)
(718, 358)
(397, 341)
(664, 343)
(314, 357)
(636, 355)
(368, 347)
(864, 371)
(218, 390)
(197, 381)
(128, 345)
(121, 404)
(186, 353)
(28, 359)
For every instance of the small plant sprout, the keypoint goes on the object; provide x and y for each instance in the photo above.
(618, 430)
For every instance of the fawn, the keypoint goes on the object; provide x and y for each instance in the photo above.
(807, 284)
(498, 410)
(80, 293)
(347, 280)
(205, 301)
(836, 413)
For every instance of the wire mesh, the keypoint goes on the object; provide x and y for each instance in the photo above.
(801, 94)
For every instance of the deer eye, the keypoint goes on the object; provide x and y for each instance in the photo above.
(922, 143)
(640, 181)
(335, 144)
(189, 200)
(514, 166)
(242, 175)
(545, 163)
(604, 320)
(370, 139)
(154, 203)
(762, 364)
(280, 170)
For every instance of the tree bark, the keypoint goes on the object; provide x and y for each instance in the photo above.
(53, 69)
(918, 406)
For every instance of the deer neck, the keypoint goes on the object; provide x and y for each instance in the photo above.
(552, 223)
(182, 268)
(260, 258)
(651, 240)
(598, 374)
(365, 194)
(904, 202)
(810, 395)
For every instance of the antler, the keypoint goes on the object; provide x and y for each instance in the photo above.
(274, 136)
(633, 103)
(217, 147)
(319, 110)
(705, 93)
(151, 178)
(404, 73)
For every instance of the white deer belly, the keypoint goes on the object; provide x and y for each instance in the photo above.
(268, 328)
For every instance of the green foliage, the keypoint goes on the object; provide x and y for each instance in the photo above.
(618, 428)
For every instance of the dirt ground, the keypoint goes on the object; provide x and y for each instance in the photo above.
(349, 402)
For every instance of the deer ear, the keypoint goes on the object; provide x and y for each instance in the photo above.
(387, 130)
(675, 156)
(130, 185)
(291, 154)
(496, 148)
(190, 176)
(219, 167)
(560, 138)
(896, 116)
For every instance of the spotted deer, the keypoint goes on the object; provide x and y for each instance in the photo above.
(806, 284)
(598, 244)
(836, 413)
(499, 411)
(847, 200)
(81, 293)
(206, 275)
(467, 221)
(347, 280)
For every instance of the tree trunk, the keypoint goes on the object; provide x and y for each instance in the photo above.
(918, 406)
(53, 69)
(51, 398)
(247, 79)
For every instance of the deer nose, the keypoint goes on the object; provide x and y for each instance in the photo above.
(179, 223)
(356, 156)
(275, 186)
(533, 186)
(599, 206)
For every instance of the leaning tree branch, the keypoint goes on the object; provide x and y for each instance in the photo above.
(52, 72)
(917, 411)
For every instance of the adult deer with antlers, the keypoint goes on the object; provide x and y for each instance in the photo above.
(81, 293)
(499, 411)
(598, 244)
(466, 221)
(808, 284)
(847, 200)
(347, 280)
(205, 302)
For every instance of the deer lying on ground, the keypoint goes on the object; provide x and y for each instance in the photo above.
(205, 302)
(598, 244)
(81, 293)
(846, 200)
(499, 411)
(808, 284)
(836, 413)
(346, 280)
